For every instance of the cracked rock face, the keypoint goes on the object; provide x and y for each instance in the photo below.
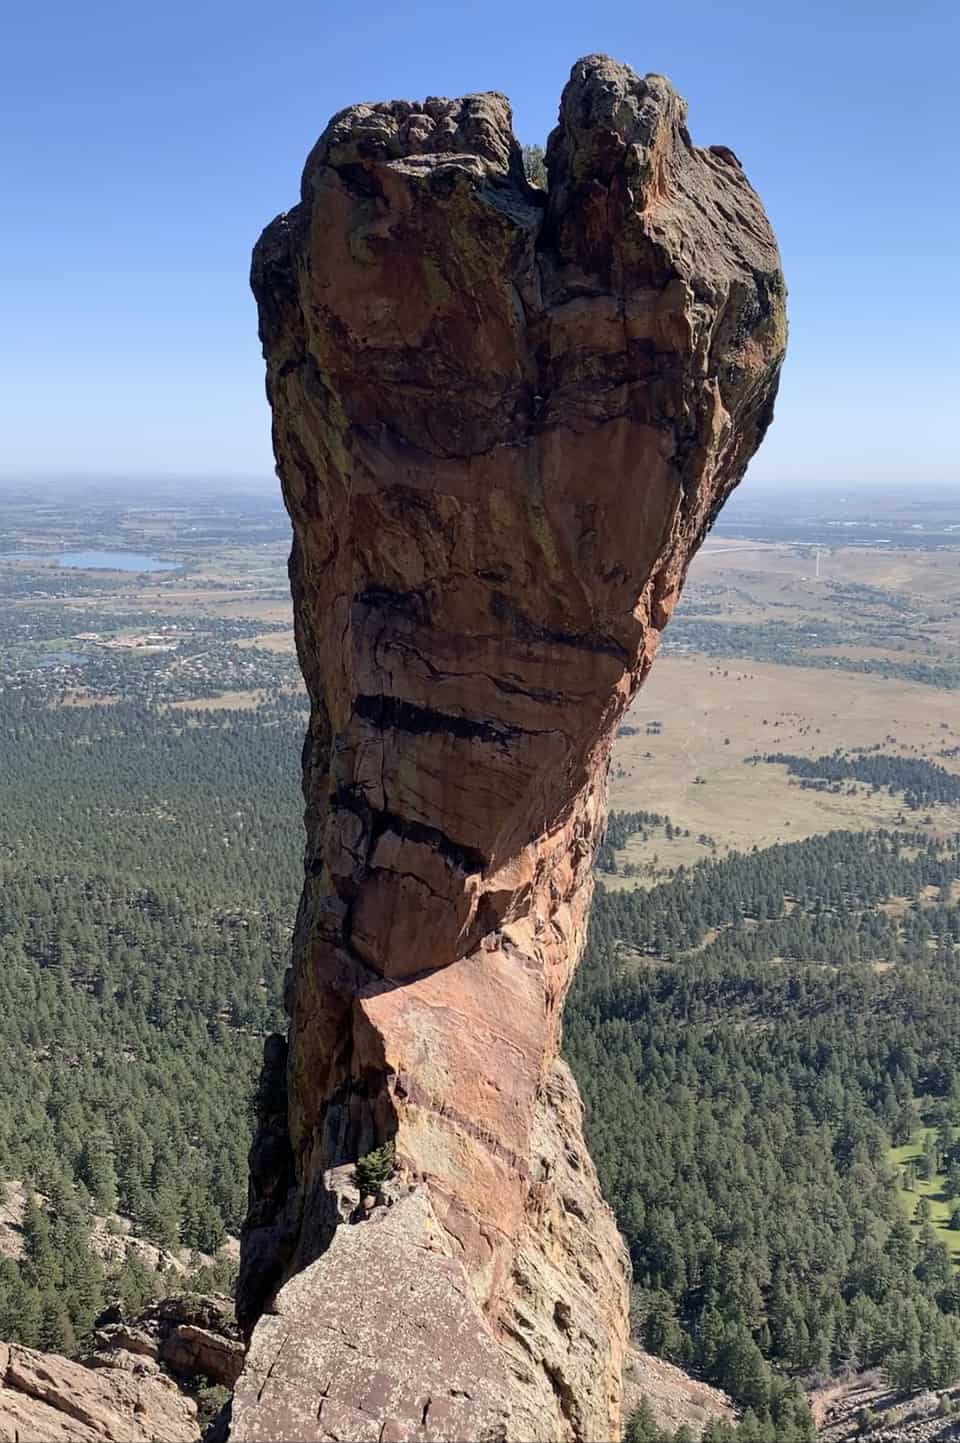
(504, 420)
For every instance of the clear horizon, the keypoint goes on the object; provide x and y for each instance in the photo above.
(154, 487)
(145, 151)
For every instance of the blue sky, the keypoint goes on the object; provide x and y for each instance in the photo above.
(146, 145)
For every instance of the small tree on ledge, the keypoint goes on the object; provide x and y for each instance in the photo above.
(375, 1167)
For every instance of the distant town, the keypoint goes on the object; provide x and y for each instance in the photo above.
(161, 640)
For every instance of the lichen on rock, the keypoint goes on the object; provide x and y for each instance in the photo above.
(503, 420)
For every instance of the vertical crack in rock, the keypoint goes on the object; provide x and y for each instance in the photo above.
(504, 419)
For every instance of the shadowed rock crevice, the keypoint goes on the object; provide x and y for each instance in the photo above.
(390, 714)
(504, 419)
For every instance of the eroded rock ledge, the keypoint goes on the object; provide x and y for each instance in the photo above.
(504, 420)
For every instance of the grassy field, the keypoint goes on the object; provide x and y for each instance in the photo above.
(930, 1188)
(699, 717)
(772, 572)
(868, 603)
(226, 701)
(281, 641)
(764, 708)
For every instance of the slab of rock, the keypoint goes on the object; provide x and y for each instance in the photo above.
(677, 1399)
(45, 1398)
(504, 419)
(189, 1351)
(381, 1337)
(194, 1335)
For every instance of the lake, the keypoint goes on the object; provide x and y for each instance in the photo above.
(114, 561)
(97, 560)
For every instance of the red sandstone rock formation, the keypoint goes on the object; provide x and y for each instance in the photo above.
(504, 420)
(120, 1390)
(49, 1398)
(194, 1336)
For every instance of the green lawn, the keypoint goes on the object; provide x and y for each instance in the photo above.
(932, 1188)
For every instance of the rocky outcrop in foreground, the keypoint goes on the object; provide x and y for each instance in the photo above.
(193, 1335)
(504, 419)
(48, 1399)
(125, 1389)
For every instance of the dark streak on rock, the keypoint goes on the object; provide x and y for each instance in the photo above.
(389, 713)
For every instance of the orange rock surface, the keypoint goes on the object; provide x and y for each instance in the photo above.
(46, 1397)
(504, 419)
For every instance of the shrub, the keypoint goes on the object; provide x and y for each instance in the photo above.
(375, 1167)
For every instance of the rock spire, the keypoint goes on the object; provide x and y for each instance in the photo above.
(504, 419)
